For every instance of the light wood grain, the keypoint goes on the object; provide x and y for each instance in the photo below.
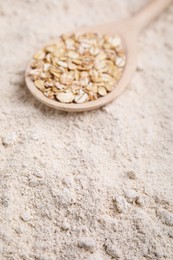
(128, 31)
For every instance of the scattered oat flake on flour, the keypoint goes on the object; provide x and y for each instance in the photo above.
(86, 243)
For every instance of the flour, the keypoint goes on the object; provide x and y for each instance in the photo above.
(94, 185)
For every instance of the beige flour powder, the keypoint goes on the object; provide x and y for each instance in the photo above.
(96, 185)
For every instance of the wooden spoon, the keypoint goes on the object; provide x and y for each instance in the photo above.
(128, 30)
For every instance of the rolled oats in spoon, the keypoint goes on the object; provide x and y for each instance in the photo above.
(89, 69)
(78, 68)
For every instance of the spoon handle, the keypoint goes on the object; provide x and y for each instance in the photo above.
(149, 13)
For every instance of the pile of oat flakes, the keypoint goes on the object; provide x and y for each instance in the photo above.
(79, 68)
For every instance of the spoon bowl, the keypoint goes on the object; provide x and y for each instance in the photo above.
(128, 31)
